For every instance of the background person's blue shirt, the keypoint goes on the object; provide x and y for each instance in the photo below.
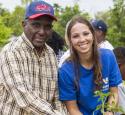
(86, 100)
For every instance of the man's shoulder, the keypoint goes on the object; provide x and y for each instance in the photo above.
(12, 45)
(49, 49)
(106, 44)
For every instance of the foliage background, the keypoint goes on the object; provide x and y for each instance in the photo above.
(10, 22)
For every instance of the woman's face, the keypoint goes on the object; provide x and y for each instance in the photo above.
(81, 38)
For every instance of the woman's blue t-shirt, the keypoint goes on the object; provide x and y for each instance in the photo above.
(86, 100)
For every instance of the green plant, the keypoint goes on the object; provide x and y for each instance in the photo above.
(104, 105)
(123, 82)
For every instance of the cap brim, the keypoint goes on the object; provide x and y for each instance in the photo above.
(39, 15)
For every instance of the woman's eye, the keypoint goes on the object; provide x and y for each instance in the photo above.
(86, 33)
(75, 36)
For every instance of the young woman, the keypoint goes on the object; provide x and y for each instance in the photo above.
(88, 69)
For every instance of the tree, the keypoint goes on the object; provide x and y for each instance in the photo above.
(64, 15)
(3, 11)
(25, 2)
(116, 23)
(115, 19)
(5, 33)
(14, 20)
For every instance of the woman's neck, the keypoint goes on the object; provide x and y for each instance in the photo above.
(86, 60)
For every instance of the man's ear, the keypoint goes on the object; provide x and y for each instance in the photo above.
(23, 23)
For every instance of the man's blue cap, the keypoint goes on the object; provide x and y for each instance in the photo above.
(99, 24)
(39, 8)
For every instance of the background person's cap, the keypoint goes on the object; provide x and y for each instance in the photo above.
(39, 8)
(99, 24)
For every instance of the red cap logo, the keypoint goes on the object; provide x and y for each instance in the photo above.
(42, 7)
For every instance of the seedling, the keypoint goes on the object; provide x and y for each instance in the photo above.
(104, 105)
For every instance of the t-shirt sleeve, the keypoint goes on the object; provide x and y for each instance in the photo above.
(115, 76)
(67, 89)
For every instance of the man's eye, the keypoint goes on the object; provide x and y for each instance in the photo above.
(36, 24)
(48, 26)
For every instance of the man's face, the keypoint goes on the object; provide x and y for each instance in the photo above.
(38, 30)
(99, 35)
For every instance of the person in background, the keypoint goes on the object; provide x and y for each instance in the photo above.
(101, 31)
(56, 42)
(28, 67)
(66, 53)
(120, 56)
(88, 69)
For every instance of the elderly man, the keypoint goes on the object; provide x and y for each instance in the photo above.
(28, 67)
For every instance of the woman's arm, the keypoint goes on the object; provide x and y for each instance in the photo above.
(72, 108)
(113, 98)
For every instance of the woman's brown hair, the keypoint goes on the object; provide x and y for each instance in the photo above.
(74, 57)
